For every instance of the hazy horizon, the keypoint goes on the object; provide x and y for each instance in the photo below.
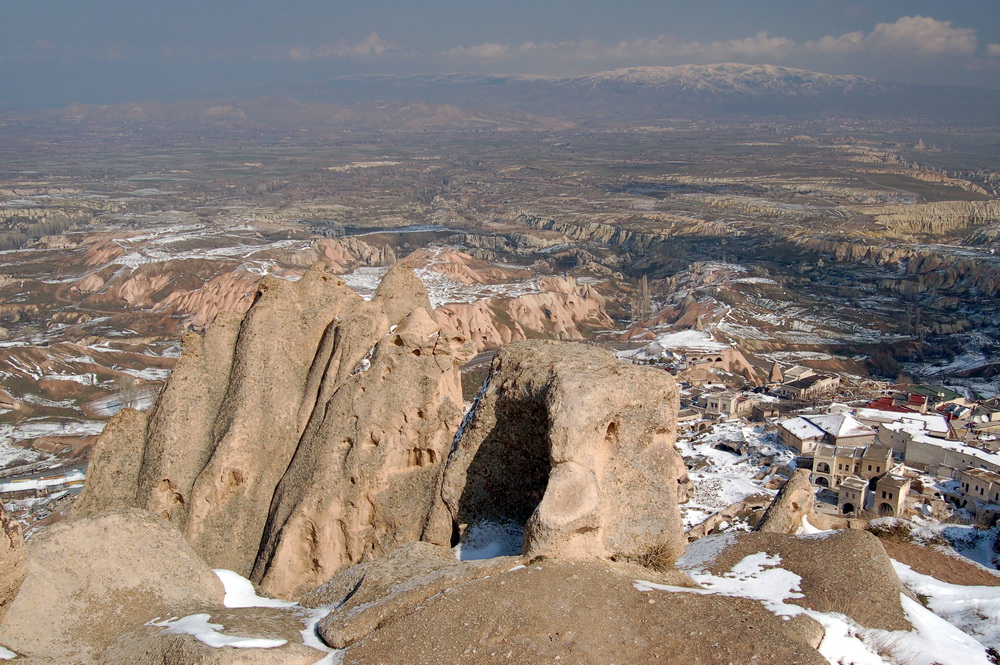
(55, 52)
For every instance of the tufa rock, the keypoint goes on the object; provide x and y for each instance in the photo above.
(384, 422)
(91, 579)
(312, 373)
(793, 503)
(13, 560)
(576, 446)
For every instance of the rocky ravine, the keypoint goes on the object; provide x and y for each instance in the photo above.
(317, 446)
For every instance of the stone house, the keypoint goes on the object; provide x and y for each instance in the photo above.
(980, 493)
(890, 495)
(728, 404)
(810, 387)
(851, 496)
(804, 433)
(832, 465)
(887, 498)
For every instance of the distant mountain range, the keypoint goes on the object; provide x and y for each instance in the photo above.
(619, 97)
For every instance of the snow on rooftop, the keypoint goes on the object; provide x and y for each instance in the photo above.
(840, 425)
(802, 428)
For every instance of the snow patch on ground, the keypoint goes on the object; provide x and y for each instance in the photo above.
(7, 654)
(974, 609)
(198, 626)
(240, 592)
(487, 540)
(759, 577)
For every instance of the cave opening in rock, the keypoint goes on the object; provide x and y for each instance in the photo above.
(509, 473)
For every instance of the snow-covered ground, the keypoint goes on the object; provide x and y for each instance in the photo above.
(722, 478)
(937, 636)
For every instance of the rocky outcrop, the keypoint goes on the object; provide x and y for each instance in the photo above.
(842, 571)
(795, 501)
(89, 580)
(370, 388)
(158, 644)
(565, 439)
(13, 561)
(371, 594)
(582, 612)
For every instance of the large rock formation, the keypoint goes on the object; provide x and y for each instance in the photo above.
(232, 454)
(578, 447)
(91, 579)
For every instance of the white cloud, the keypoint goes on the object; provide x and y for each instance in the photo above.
(371, 46)
(908, 37)
(922, 35)
(993, 49)
(484, 51)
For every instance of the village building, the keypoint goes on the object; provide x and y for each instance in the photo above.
(832, 465)
(980, 493)
(890, 495)
(728, 404)
(810, 387)
(851, 496)
(804, 433)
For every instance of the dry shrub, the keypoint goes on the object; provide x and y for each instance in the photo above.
(660, 556)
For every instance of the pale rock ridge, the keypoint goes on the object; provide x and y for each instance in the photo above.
(13, 560)
(565, 439)
(562, 310)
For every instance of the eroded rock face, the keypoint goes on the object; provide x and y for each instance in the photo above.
(91, 579)
(13, 561)
(306, 436)
(578, 447)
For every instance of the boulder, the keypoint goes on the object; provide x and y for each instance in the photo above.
(842, 571)
(582, 613)
(795, 500)
(13, 560)
(577, 447)
(91, 579)
(373, 593)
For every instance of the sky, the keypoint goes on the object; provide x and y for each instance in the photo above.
(54, 52)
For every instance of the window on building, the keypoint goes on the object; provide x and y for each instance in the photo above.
(869, 467)
(883, 494)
